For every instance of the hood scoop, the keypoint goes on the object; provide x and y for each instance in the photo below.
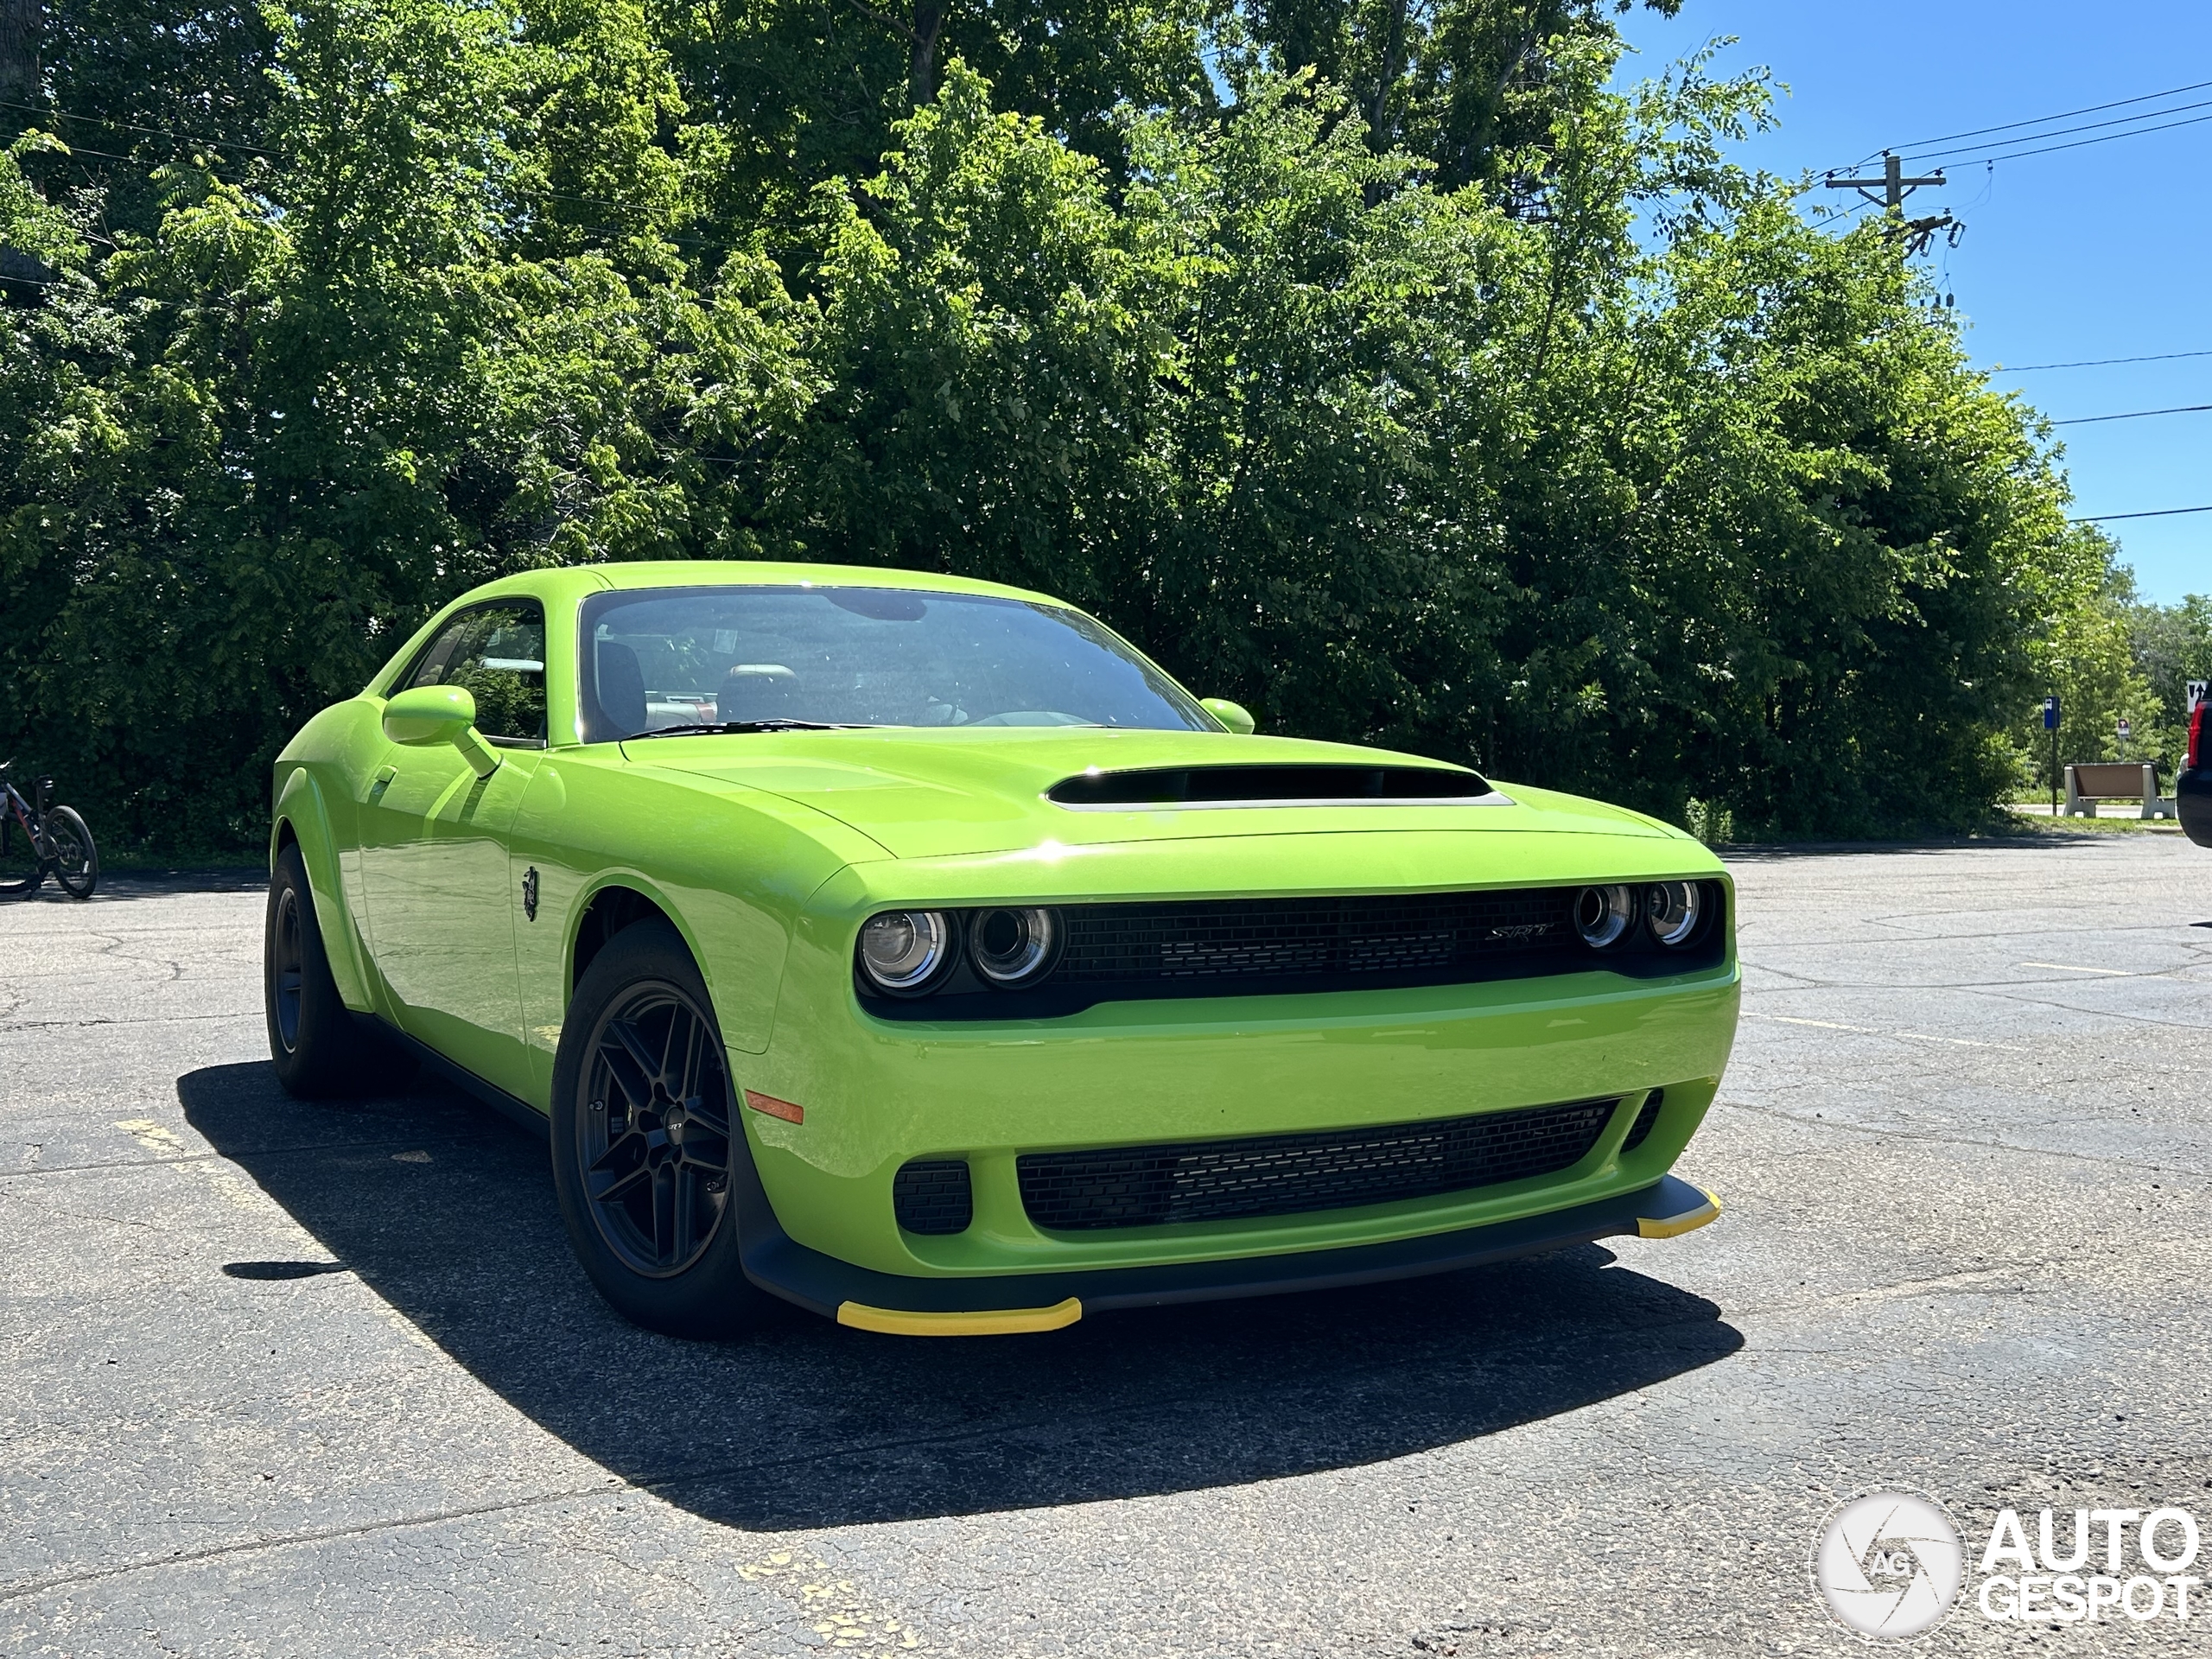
(1270, 786)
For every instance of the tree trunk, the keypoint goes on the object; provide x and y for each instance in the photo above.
(1394, 46)
(929, 20)
(21, 22)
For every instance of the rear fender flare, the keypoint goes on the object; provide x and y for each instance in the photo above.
(300, 805)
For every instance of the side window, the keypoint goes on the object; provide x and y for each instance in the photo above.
(496, 653)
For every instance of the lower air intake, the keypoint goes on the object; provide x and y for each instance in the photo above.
(931, 1196)
(1289, 1174)
(1646, 1121)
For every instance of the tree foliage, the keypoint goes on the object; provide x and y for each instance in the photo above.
(1434, 393)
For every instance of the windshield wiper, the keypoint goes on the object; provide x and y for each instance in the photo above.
(717, 727)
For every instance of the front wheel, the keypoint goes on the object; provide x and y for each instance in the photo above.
(644, 1140)
(76, 860)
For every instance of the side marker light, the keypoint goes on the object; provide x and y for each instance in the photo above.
(771, 1107)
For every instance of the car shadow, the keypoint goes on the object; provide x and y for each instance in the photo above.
(447, 1214)
(122, 886)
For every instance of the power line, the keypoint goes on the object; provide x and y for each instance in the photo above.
(2160, 512)
(2136, 414)
(2095, 362)
(133, 126)
(2133, 132)
(2091, 126)
(2063, 115)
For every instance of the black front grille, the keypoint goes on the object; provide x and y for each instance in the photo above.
(932, 1195)
(1263, 939)
(1245, 947)
(1289, 1174)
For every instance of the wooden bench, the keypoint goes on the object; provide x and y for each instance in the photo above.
(2089, 782)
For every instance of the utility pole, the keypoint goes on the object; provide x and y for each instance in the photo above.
(1895, 188)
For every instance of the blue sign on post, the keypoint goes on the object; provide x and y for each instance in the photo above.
(2050, 714)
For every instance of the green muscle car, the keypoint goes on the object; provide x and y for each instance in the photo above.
(913, 949)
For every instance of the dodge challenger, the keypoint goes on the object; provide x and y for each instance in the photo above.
(913, 949)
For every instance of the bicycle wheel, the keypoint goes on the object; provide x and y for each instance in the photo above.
(20, 864)
(76, 860)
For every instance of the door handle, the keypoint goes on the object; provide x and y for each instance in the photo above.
(384, 775)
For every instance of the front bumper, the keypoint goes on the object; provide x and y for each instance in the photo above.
(868, 1094)
(903, 1305)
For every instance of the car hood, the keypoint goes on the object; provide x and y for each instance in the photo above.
(923, 793)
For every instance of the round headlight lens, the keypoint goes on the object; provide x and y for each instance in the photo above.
(1014, 947)
(1602, 914)
(902, 949)
(1675, 908)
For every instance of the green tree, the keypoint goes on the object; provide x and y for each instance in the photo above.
(1563, 446)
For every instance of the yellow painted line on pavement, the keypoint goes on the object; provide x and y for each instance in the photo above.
(1873, 1031)
(1962, 1042)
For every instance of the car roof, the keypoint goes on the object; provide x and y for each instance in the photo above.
(716, 572)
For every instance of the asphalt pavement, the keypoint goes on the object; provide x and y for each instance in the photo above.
(288, 1379)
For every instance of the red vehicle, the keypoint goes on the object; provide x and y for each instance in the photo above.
(2193, 787)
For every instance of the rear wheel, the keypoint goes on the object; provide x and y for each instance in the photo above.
(21, 868)
(645, 1136)
(317, 1047)
(76, 860)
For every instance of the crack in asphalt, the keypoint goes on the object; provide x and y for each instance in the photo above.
(1895, 1133)
(104, 1020)
(449, 1141)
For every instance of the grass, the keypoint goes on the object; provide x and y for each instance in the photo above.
(2040, 820)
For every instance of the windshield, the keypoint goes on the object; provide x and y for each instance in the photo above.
(669, 657)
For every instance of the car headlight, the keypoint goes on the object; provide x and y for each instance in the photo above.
(1011, 948)
(903, 950)
(1674, 908)
(1602, 915)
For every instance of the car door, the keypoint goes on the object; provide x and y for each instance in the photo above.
(434, 846)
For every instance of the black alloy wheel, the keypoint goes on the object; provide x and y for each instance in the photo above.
(649, 1160)
(318, 1048)
(653, 1140)
(287, 971)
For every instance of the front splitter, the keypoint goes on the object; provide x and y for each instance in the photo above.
(902, 1305)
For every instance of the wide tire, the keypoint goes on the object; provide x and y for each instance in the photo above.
(320, 1050)
(77, 859)
(644, 1131)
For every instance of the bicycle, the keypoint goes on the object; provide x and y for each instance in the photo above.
(37, 838)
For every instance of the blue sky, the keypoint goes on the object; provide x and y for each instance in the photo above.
(2101, 251)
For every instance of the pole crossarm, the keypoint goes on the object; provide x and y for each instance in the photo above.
(1893, 184)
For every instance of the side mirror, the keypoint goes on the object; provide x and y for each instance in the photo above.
(1232, 715)
(427, 715)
